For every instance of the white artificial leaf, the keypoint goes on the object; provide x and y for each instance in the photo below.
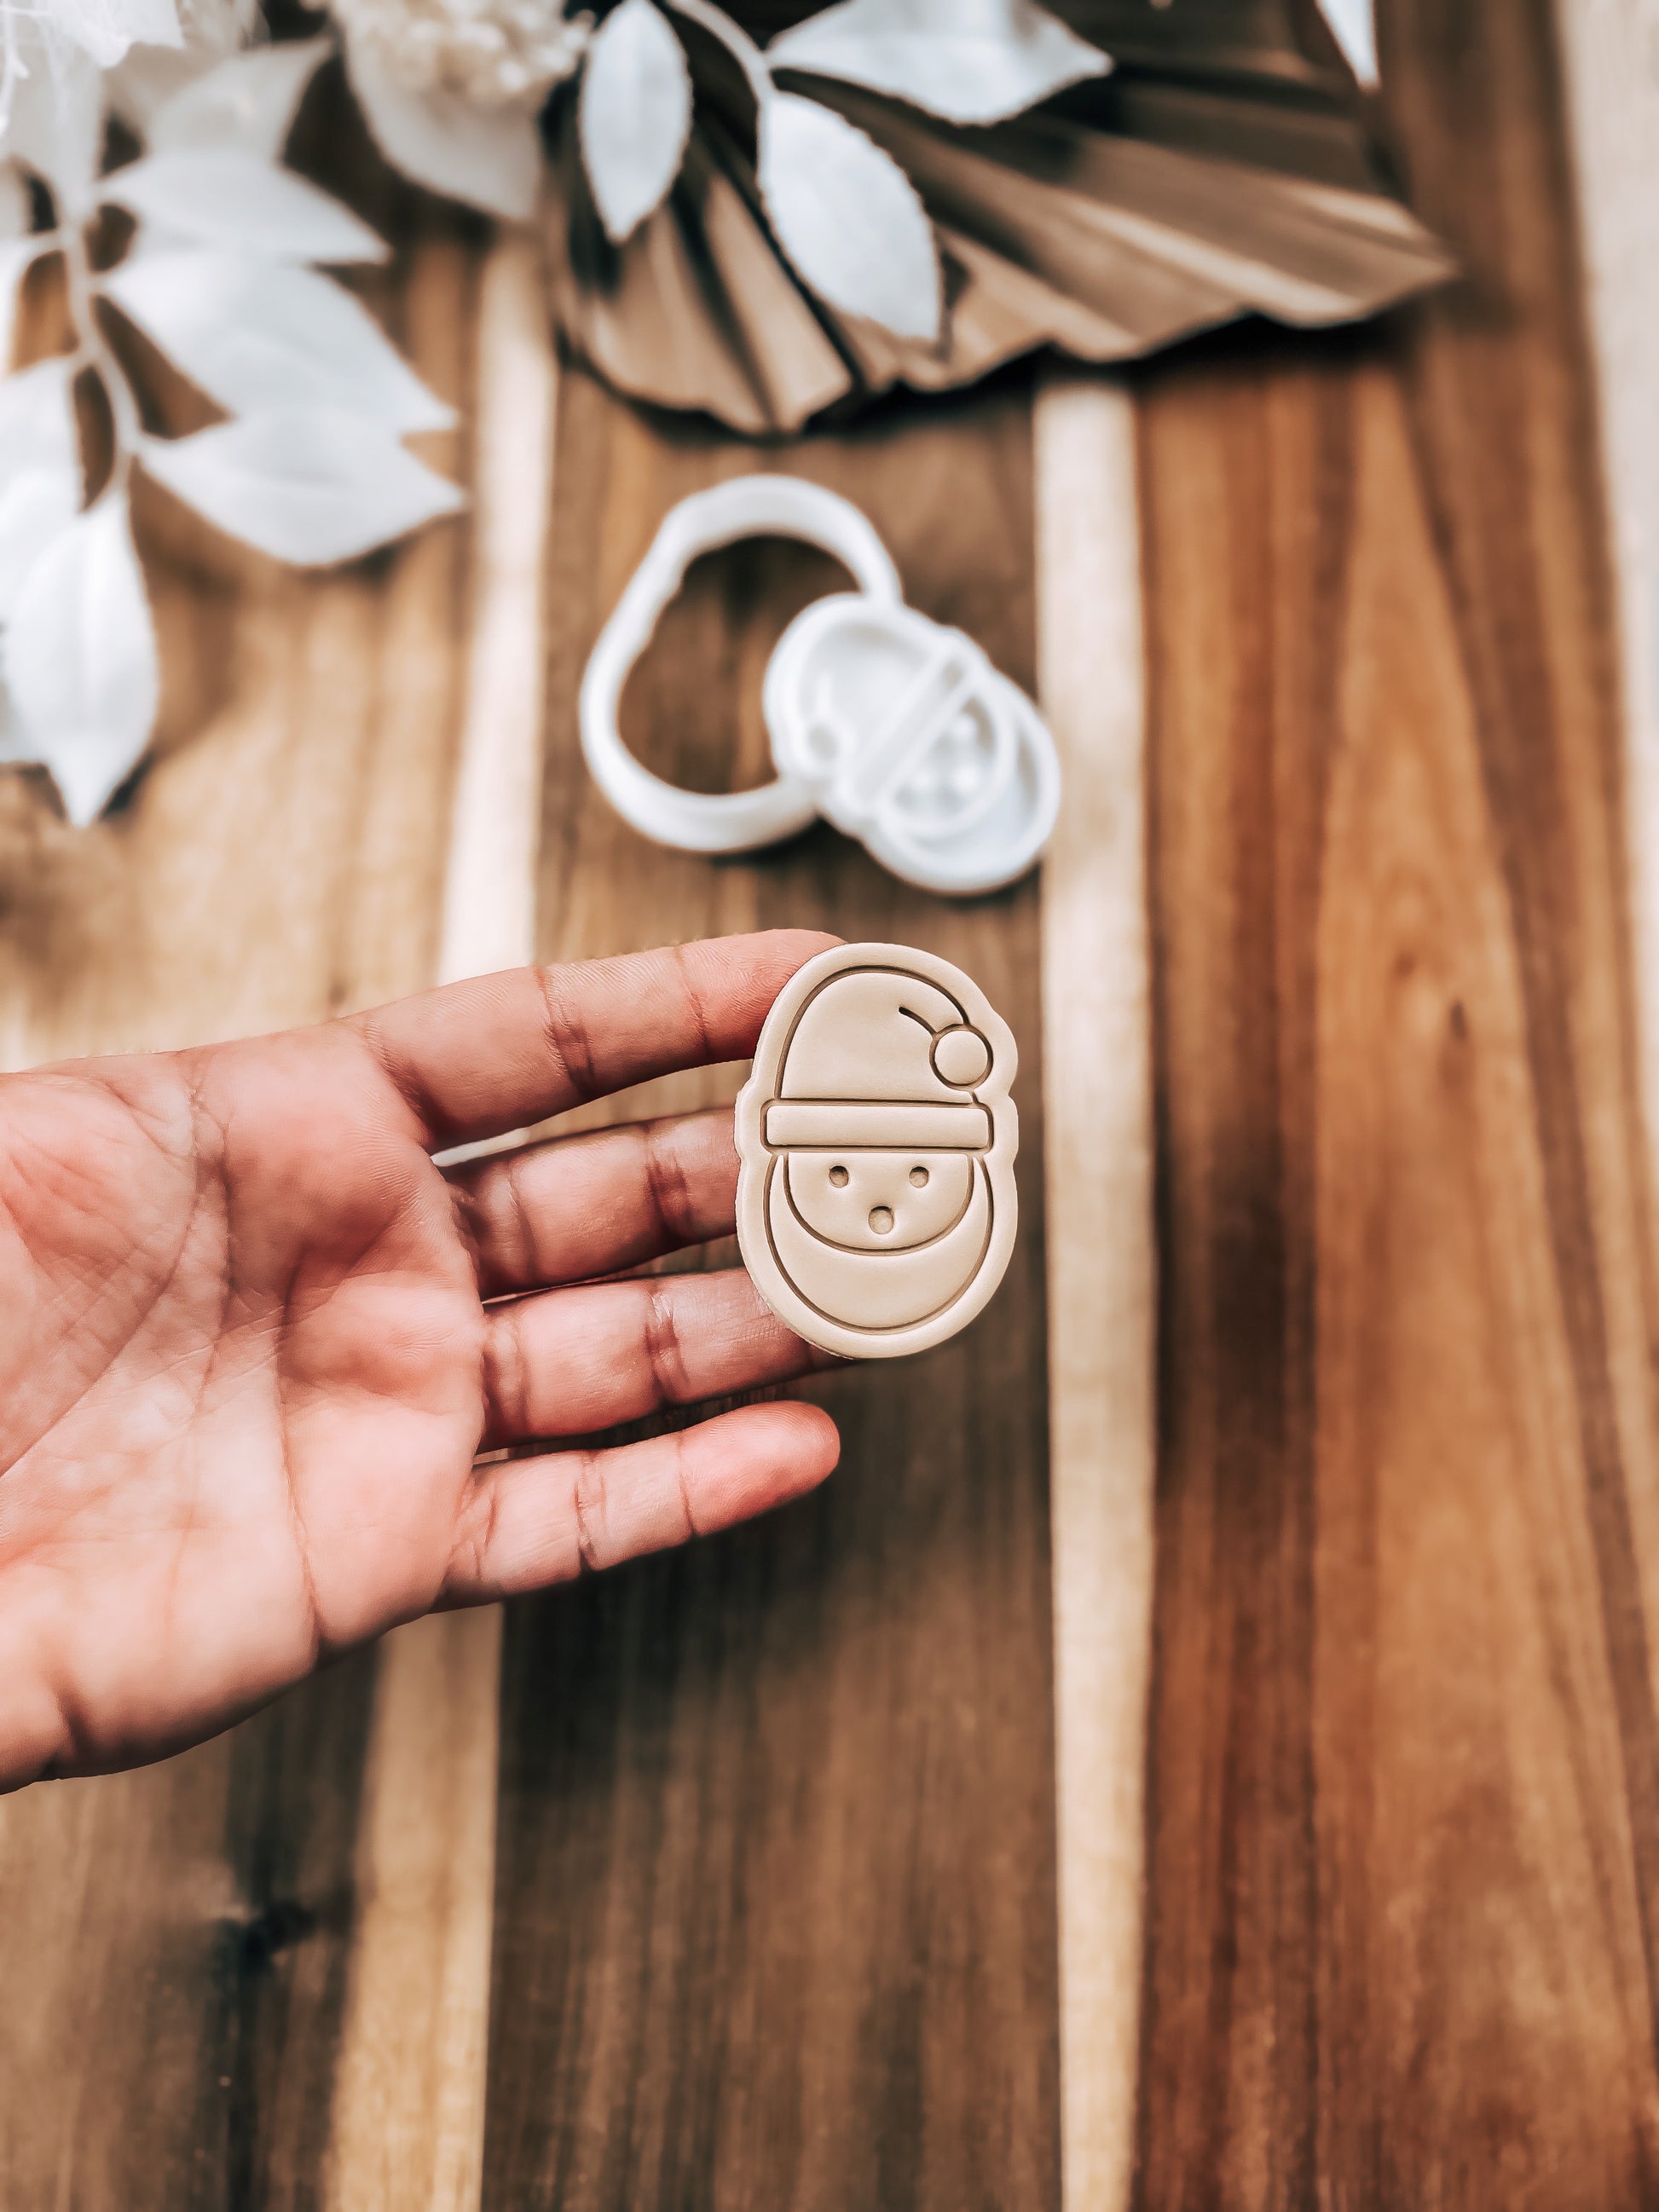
(256, 335)
(486, 157)
(35, 506)
(57, 124)
(245, 103)
(79, 657)
(634, 115)
(309, 485)
(230, 199)
(970, 61)
(1353, 26)
(848, 217)
(106, 29)
(37, 419)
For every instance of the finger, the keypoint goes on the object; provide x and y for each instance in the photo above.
(475, 1059)
(579, 1207)
(532, 1521)
(570, 1362)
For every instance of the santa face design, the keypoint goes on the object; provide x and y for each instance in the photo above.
(876, 1206)
(869, 1201)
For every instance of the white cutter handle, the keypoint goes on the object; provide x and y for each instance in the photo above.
(765, 505)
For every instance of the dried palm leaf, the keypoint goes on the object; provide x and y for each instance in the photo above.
(1225, 167)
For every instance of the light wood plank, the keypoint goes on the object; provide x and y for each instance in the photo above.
(1610, 57)
(490, 895)
(408, 2113)
(1102, 1267)
(409, 2108)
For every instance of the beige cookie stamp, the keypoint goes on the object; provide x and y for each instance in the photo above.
(876, 1141)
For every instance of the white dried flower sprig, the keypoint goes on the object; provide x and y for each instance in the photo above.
(495, 53)
(223, 275)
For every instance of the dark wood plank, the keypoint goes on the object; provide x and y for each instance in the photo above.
(775, 1916)
(1402, 1830)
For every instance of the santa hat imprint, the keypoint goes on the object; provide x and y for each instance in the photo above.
(876, 1138)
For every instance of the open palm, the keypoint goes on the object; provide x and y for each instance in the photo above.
(252, 1339)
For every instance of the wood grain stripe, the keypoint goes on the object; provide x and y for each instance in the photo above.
(409, 2105)
(1097, 1090)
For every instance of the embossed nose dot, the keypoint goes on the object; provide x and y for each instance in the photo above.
(881, 1219)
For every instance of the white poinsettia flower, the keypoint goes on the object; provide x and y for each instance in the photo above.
(451, 89)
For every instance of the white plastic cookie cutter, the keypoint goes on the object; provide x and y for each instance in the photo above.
(895, 728)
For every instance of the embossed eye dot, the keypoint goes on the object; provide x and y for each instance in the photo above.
(838, 1176)
(919, 1177)
(961, 1057)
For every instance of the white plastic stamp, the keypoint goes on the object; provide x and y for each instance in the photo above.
(876, 1140)
(910, 741)
(896, 729)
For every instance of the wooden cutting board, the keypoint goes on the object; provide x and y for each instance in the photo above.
(1240, 1772)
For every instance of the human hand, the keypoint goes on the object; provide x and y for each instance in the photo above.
(247, 1361)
